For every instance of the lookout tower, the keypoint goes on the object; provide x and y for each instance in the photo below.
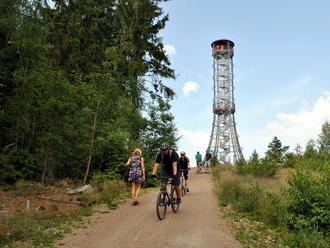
(224, 142)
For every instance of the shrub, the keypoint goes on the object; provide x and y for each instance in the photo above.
(250, 199)
(264, 168)
(309, 200)
(229, 193)
(18, 164)
(100, 178)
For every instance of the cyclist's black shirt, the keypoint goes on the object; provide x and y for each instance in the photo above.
(183, 163)
(167, 161)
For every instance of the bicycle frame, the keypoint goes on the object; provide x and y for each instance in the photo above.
(165, 199)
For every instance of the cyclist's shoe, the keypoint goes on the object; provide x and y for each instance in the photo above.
(178, 201)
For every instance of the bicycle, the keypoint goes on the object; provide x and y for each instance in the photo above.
(165, 198)
(183, 183)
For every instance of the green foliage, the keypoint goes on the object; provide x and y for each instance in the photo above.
(309, 200)
(254, 157)
(301, 211)
(259, 168)
(100, 178)
(276, 151)
(74, 86)
(310, 150)
(18, 164)
(324, 137)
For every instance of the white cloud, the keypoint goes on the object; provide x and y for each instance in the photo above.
(190, 87)
(291, 128)
(169, 49)
(193, 141)
(302, 125)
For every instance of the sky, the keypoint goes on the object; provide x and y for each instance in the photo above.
(281, 69)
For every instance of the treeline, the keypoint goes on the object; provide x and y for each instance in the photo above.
(81, 86)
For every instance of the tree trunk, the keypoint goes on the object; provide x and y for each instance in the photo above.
(92, 141)
(45, 169)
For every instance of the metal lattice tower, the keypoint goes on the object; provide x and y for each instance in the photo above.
(224, 142)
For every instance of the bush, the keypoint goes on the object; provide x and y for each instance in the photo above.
(309, 204)
(100, 178)
(229, 193)
(264, 168)
(18, 164)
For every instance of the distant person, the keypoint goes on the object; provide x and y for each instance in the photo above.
(199, 160)
(168, 159)
(136, 174)
(184, 166)
(207, 163)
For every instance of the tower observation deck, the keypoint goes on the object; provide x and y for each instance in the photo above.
(224, 142)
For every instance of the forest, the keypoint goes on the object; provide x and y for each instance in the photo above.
(81, 86)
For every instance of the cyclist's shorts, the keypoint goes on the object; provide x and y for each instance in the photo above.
(176, 178)
(199, 163)
(185, 174)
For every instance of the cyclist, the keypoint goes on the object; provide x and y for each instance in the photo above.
(198, 158)
(184, 166)
(168, 158)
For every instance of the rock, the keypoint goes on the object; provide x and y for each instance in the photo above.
(83, 189)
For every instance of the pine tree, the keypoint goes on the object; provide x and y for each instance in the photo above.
(254, 157)
(275, 150)
(324, 137)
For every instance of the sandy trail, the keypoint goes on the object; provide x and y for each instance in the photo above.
(197, 224)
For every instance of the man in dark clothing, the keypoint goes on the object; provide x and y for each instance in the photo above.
(184, 165)
(208, 159)
(169, 167)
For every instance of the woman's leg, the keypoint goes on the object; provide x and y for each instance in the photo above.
(133, 191)
(137, 190)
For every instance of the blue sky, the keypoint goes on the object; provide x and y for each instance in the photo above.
(281, 68)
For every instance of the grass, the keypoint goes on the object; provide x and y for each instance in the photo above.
(39, 228)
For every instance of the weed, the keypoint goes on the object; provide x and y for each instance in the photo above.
(34, 229)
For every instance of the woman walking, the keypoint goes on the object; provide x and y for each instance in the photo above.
(136, 174)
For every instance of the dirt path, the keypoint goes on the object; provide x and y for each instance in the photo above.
(197, 224)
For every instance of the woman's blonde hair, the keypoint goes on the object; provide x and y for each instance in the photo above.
(137, 152)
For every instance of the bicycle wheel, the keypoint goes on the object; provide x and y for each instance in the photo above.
(174, 204)
(161, 205)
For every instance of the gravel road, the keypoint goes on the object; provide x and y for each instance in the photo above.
(197, 224)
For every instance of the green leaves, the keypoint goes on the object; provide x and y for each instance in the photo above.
(74, 84)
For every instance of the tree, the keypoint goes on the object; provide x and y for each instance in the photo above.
(298, 149)
(160, 127)
(276, 151)
(254, 157)
(310, 150)
(324, 137)
(76, 77)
